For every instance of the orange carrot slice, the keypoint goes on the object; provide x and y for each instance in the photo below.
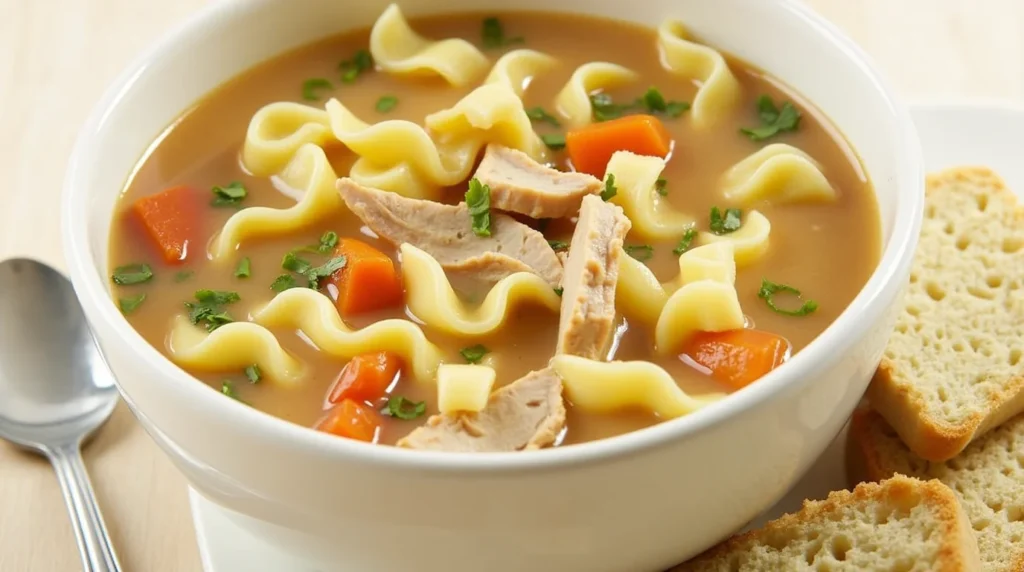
(171, 219)
(368, 281)
(738, 357)
(591, 147)
(366, 377)
(353, 421)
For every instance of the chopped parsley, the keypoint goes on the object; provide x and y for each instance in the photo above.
(351, 69)
(228, 388)
(208, 308)
(661, 185)
(774, 120)
(492, 34)
(538, 114)
(244, 269)
(403, 408)
(183, 275)
(293, 263)
(610, 190)
(685, 242)
(283, 282)
(130, 304)
(554, 141)
(132, 274)
(312, 86)
(386, 103)
(318, 273)
(253, 373)
(328, 241)
(229, 195)
(603, 108)
(559, 291)
(768, 291)
(654, 102)
(558, 245)
(473, 354)
(641, 252)
(478, 199)
(725, 223)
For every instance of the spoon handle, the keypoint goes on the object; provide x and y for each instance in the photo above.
(94, 544)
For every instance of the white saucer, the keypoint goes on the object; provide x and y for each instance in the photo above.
(985, 133)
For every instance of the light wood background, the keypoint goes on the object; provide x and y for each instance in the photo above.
(56, 57)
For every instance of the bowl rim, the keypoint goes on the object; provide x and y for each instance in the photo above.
(837, 338)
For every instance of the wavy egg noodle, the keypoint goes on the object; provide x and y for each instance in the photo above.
(652, 216)
(606, 387)
(431, 298)
(573, 101)
(314, 315)
(311, 173)
(397, 49)
(277, 131)
(718, 90)
(750, 241)
(517, 69)
(706, 300)
(233, 346)
(779, 174)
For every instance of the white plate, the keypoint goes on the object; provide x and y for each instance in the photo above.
(986, 133)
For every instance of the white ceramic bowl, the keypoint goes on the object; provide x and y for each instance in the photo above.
(641, 501)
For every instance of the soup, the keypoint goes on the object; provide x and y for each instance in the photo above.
(528, 230)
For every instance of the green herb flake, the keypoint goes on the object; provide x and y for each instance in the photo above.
(130, 304)
(317, 273)
(768, 291)
(610, 190)
(676, 108)
(244, 269)
(661, 186)
(554, 141)
(311, 88)
(641, 252)
(478, 199)
(539, 114)
(557, 245)
(403, 408)
(603, 108)
(351, 69)
(229, 195)
(253, 373)
(774, 120)
(386, 103)
(228, 388)
(653, 101)
(183, 275)
(328, 241)
(293, 263)
(208, 311)
(130, 274)
(475, 353)
(559, 291)
(218, 297)
(686, 242)
(492, 34)
(725, 223)
(283, 282)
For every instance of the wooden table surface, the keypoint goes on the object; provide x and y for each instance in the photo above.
(58, 55)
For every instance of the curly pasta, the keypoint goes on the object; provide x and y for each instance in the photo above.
(233, 346)
(605, 387)
(277, 131)
(315, 315)
(432, 300)
(308, 171)
(517, 69)
(398, 49)
(751, 240)
(778, 173)
(573, 101)
(719, 90)
(652, 217)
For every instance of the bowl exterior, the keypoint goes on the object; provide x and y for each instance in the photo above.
(638, 502)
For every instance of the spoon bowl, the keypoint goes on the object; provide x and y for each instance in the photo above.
(55, 389)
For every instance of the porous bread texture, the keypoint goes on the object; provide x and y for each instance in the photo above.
(953, 368)
(987, 477)
(901, 524)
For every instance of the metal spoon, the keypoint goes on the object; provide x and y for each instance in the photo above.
(55, 390)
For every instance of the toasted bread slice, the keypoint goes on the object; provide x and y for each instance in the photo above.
(988, 478)
(900, 524)
(953, 368)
